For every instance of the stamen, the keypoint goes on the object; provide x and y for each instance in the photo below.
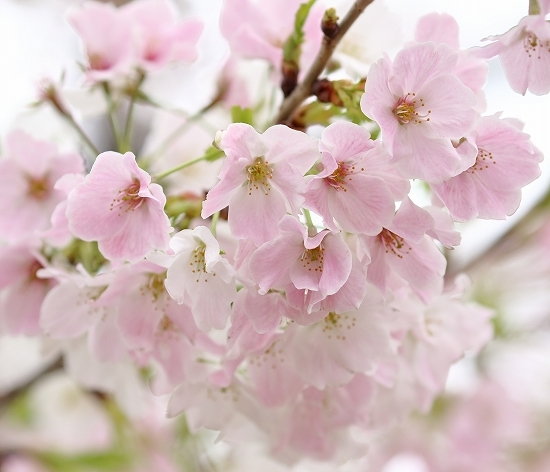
(258, 175)
(483, 159)
(128, 199)
(394, 243)
(407, 110)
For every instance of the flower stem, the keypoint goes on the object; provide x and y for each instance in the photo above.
(166, 173)
(534, 7)
(213, 225)
(128, 128)
(311, 228)
(303, 90)
(180, 129)
(51, 95)
(111, 111)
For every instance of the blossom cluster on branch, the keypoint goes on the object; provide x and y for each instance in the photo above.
(294, 295)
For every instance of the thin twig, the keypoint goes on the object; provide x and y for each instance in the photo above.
(6, 399)
(303, 90)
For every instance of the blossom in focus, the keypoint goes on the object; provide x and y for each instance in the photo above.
(319, 265)
(28, 173)
(195, 272)
(351, 188)
(119, 207)
(442, 28)
(524, 53)
(506, 161)
(420, 110)
(261, 178)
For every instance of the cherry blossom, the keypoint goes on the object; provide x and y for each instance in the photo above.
(506, 161)
(257, 29)
(119, 207)
(107, 37)
(28, 174)
(351, 188)
(319, 265)
(403, 251)
(159, 38)
(524, 53)
(22, 291)
(420, 110)
(194, 271)
(261, 178)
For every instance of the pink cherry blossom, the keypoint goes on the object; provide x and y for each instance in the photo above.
(420, 110)
(273, 374)
(59, 235)
(351, 188)
(524, 53)
(119, 207)
(195, 271)
(332, 350)
(107, 37)
(318, 265)
(261, 178)
(442, 28)
(28, 173)
(403, 252)
(506, 161)
(258, 29)
(71, 309)
(21, 290)
(158, 36)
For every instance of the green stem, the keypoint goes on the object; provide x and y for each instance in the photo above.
(112, 121)
(215, 218)
(51, 95)
(312, 230)
(534, 7)
(162, 175)
(180, 129)
(81, 133)
(128, 128)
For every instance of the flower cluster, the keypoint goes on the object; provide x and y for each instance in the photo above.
(303, 298)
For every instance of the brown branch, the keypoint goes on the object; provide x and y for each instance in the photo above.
(304, 89)
(6, 399)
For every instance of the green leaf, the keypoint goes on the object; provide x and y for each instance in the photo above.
(241, 115)
(292, 48)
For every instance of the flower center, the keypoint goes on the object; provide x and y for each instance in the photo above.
(335, 323)
(409, 110)
(312, 259)
(533, 46)
(258, 175)
(98, 62)
(128, 198)
(38, 188)
(338, 178)
(198, 264)
(155, 285)
(394, 243)
(482, 160)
